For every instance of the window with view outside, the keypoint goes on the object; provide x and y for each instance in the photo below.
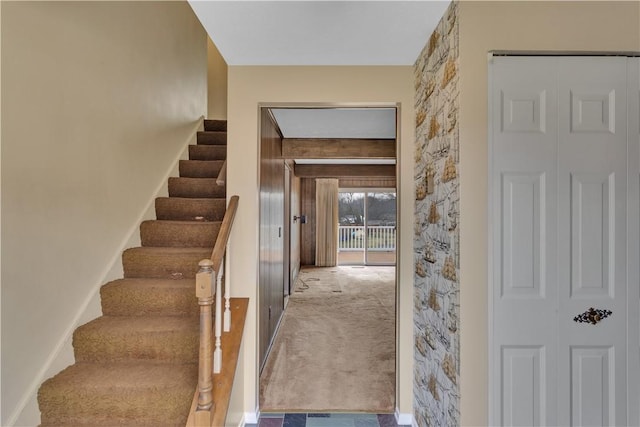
(367, 227)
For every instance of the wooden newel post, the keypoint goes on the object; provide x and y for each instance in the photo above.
(204, 292)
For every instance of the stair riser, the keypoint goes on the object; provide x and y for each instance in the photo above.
(207, 152)
(195, 188)
(215, 125)
(122, 299)
(116, 407)
(183, 209)
(211, 138)
(161, 266)
(142, 411)
(179, 235)
(172, 346)
(200, 168)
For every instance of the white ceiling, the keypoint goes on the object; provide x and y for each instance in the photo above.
(359, 123)
(319, 32)
(374, 123)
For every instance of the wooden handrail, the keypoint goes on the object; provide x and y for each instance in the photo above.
(225, 231)
(208, 286)
(222, 175)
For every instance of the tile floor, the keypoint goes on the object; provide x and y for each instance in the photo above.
(325, 420)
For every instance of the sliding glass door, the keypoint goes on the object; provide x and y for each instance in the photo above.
(380, 228)
(367, 229)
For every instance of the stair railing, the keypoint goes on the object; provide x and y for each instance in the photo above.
(206, 289)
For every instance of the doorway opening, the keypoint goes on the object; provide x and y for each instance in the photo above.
(355, 147)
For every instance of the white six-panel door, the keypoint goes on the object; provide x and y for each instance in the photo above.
(564, 220)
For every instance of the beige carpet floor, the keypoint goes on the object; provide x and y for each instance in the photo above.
(335, 349)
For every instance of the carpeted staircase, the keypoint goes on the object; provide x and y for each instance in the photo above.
(137, 364)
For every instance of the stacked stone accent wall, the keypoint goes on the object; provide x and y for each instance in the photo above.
(436, 229)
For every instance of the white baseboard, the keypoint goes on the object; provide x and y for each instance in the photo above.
(404, 419)
(62, 354)
(250, 418)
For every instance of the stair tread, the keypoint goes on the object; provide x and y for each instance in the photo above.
(211, 138)
(187, 209)
(163, 262)
(120, 338)
(159, 251)
(140, 324)
(171, 233)
(179, 222)
(203, 162)
(188, 187)
(193, 199)
(207, 152)
(122, 392)
(215, 124)
(152, 283)
(194, 181)
(200, 168)
(143, 297)
(133, 375)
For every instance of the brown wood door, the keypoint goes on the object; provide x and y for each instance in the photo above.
(271, 230)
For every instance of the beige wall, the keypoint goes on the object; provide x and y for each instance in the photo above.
(485, 26)
(250, 85)
(99, 99)
(217, 82)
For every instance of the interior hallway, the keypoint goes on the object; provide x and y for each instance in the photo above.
(335, 349)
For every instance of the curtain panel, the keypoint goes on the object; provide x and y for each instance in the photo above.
(326, 222)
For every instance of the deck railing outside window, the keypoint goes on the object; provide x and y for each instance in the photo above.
(379, 237)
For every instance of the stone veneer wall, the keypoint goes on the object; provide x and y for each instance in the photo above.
(436, 239)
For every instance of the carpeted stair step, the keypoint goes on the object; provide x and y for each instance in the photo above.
(200, 168)
(215, 125)
(195, 188)
(163, 263)
(207, 152)
(185, 209)
(211, 138)
(129, 338)
(179, 234)
(119, 394)
(142, 297)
